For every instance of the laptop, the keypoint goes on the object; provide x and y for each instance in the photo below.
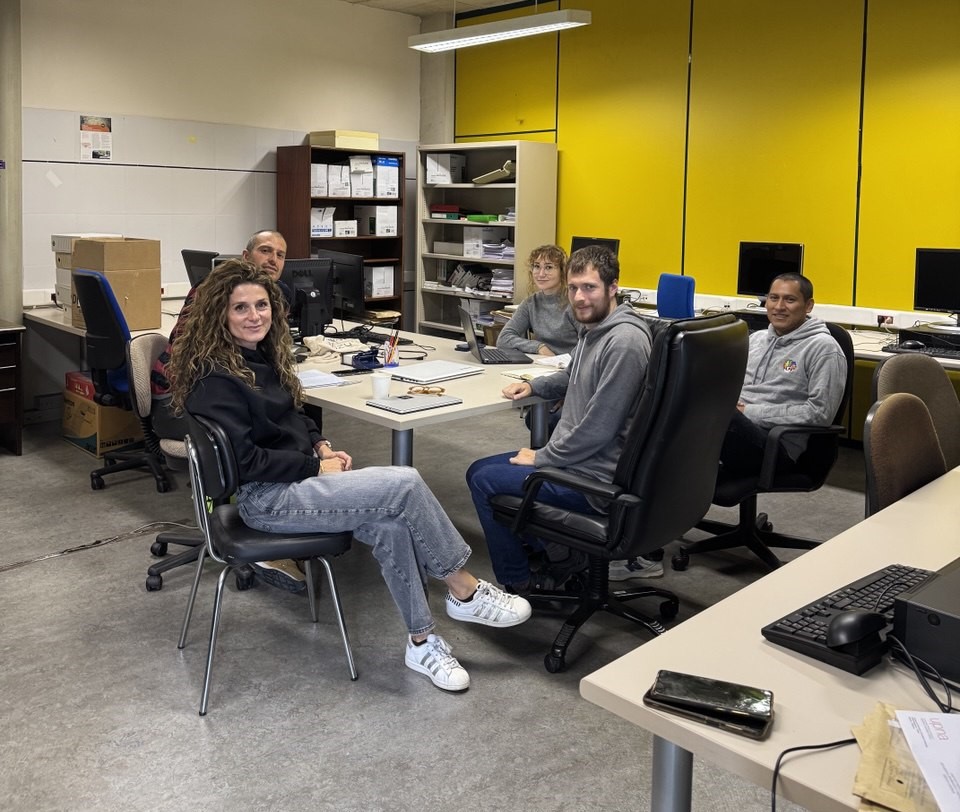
(405, 404)
(489, 355)
(428, 372)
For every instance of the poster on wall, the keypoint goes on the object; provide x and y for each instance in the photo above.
(96, 138)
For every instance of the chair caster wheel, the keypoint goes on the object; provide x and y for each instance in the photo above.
(764, 525)
(158, 548)
(96, 482)
(680, 561)
(245, 579)
(163, 487)
(668, 610)
(154, 583)
(553, 663)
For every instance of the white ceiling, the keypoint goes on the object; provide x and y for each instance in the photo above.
(422, 8)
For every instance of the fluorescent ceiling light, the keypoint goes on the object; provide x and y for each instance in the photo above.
(498, 31)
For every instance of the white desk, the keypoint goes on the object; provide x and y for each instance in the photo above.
(61, 318)
(814, 703)
(481, 394)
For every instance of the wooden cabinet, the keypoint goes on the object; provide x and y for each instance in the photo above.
(295, 203)
(11, 388)
(527, 200)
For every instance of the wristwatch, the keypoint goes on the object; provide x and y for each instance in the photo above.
(325, 442)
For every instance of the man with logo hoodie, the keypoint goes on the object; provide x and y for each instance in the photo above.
(600, 389)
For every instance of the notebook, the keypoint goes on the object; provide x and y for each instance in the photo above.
(435, 371)
(404, 404)
(488, 355)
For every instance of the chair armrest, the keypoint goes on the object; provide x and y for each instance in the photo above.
(557, 476)
(771, 450)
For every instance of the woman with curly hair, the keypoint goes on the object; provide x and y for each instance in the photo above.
(232, 364)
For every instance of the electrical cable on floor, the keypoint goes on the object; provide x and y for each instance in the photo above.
(142, 530)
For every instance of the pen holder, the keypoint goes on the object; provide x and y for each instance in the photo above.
(389, 356)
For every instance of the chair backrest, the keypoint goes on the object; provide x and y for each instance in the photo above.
(675, 296)
(106, 335)
(142, 352)
(924, 377)
(672, 450)
(211, 454)
(900, 449)
(198, 264)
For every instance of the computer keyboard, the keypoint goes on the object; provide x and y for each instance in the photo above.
(366, 335)
(936, 352)
(493, 354)
(804, 630)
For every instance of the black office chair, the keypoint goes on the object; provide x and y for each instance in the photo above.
(213, 474)
(198, 264)
(754, 530)
(664, 478)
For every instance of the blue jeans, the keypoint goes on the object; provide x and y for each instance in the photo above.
(390, 509)
(492, 475)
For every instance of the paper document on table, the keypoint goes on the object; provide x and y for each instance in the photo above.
(555, 361)
(528, 373)
(934, 740)
(315, 378)
(887, 774)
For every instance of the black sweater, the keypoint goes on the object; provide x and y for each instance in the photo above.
(272, 441)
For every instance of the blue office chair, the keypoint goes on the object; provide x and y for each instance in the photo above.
(675, 296)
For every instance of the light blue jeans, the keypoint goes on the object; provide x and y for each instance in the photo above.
(390, 509)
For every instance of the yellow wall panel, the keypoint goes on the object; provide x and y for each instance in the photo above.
(910, 194)
(621, 104)
(773, 137)
(509, 87)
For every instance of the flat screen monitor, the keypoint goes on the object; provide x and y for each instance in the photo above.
(311, 282)
(762, 262)
(937, 281)
(198, 264)
(348, 293)
(607, 242)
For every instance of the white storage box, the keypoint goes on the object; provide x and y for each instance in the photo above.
(378, 281)
(344, 228)
(386, 176)
(318, 180)
(321, 222)
(376, 221)
(445, 167)
(338, 181)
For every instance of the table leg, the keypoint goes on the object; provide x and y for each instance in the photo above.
(402, 447)
(672, 776)
(539, 418)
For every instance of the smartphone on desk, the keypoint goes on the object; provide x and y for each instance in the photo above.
(728, 706)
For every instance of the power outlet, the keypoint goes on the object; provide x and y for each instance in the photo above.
(883, 320)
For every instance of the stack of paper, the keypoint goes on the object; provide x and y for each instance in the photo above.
(502, 281)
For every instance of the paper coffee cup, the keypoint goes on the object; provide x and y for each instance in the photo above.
(380, 382)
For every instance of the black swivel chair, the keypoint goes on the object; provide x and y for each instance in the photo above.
(664, 478)
(213, 473)
(754, 530)
(198, 264)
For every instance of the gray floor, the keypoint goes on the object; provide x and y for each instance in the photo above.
(98, 708)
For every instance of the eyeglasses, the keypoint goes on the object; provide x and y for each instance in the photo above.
(425, 390)
(544, 269)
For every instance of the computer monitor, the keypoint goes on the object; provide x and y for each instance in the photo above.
(198, 264)
(937, 283)
(311, 282)
(607, 242)
(762, 262)
(348, 302)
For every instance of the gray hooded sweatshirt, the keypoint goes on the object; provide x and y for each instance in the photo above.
(794, 378)
(601, 387)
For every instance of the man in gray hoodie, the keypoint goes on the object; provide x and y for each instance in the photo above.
(796, 373)
(600, 388)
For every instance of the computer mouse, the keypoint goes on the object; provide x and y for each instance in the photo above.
(300, 353)
(462, 347)
(854, 625)
(912, 344)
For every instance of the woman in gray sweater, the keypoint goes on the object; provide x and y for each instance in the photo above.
(546, 313)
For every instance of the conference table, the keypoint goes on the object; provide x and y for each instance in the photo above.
(481, 394)
(814, 703)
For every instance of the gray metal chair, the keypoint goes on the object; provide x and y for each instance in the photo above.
(924, 377)
(213, 474)
(900, 450)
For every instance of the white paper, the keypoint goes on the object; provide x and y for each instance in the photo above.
(934, 740)
(555, 361)
(315, 378)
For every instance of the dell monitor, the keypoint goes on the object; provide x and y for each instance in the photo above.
(762, 262)
(937, 283)
(311, 284)
(348, 296)
(606, 242)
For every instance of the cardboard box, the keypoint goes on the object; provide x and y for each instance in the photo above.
(79, 383)
(132, 267)
(338, 180)
(445, 167)
(344, 228)
(63, 243)
(378, 281)
(475, 236)
(377, 221)
(96, 428)
(341, 139)
(386, 181)
(321, 222)
(318, 180)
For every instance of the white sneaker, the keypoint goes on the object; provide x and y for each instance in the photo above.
(638, 567)
(490, 606)
(433, 658)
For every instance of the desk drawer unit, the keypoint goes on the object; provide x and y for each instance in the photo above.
(11, 407)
